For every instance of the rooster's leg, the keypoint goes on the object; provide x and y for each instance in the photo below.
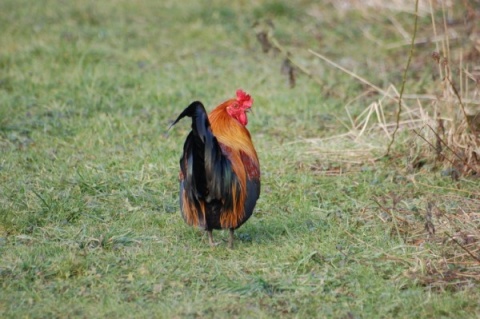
(210, 238)
(230, 240)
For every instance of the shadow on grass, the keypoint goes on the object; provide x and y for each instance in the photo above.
(265, 231)
(259, 231)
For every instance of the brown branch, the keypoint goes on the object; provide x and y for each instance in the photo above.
(288, 56)
(404, 79)
(454, 88)
(464, 161)
(364, 81)
(454, 177)
(388, 211)
(463, 247)
(431, 145)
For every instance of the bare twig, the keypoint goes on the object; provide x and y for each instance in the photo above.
(376, 88)
(268, 41)
(404, 79)
(388, 211)
(463, 247)
(464, 161)
(431, 145)
(467, 119)
(288, 57)
(432, 17)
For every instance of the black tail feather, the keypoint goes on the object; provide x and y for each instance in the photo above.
(197, 112)
(208, 175)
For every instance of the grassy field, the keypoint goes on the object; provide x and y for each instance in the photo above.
(89, 217)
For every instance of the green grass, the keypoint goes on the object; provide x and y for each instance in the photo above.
(89, 218)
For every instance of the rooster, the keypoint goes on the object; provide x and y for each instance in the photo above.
(219, 167)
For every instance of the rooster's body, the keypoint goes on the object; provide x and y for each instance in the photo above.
(219, 168)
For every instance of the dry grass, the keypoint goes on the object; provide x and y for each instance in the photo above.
(444, 123)
(457, 262)
(394, 5)
(440, 128)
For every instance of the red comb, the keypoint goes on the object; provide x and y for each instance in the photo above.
(244, 100)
